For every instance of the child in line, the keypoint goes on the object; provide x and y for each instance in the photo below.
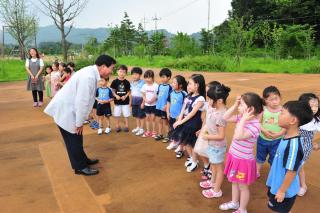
(66, 76)
(163, 93)
(136, 100)
(214, 132)
(201, 145)
(271, 132)
(240, 167)
(55, 78)
(62, 68)
(104, 98)
(94, 124)
(283, 181)
(308, 131)
(174, 106)
(48, 81)
(72, 67)
(189, 120)
(149, 93)
(121, 93)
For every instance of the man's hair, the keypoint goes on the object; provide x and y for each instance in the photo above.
(105, 60)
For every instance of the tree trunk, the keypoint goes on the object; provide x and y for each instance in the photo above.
(64, 45)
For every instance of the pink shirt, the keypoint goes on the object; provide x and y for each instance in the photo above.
(214, 120)
(243, 149)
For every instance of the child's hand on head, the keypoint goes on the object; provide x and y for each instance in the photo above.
(248, 114)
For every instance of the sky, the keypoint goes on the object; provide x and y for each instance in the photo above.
(176, 15)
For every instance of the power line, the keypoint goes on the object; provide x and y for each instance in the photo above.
(179, 9)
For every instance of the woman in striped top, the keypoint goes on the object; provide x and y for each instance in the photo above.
(240, 166)
(307, 132)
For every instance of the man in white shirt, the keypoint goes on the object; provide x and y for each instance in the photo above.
(71, 106)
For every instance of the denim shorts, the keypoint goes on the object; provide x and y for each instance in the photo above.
(265, 148)
(216, 155)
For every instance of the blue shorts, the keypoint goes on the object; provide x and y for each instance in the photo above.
(265, 148)
(149, 110)
(137, 112)
(216, 155)
(161, 114)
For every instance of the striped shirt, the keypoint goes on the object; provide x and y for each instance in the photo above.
(244, 149)
(307, 133)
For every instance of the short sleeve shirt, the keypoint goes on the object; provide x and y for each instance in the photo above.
(288, 157)
(121, 88)
(104, 94)
(34, 60)
(163, 92)
(150, 92)
(214, 120)
(136, 93)
(176, 100)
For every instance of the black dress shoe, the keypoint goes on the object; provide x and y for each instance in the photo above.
(92, 161)
(87, 171)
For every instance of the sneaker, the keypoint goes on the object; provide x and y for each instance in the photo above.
(100, 131)
(35, 104)
(108, 130)
(147, 134)
(302, 192)
(86, 122)
(207, 184)
(179, 148)
(179, 154)
(40, 104)
(118, 129)
(192, 167)
(229, 205)
(126, 129)
(188, 162)
(158, 137)
(172, 145)
(210, 193)
(139, 132)
(94, 124)
(206, 175)
(165, 139)
(135, 130)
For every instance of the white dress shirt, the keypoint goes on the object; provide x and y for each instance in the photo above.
(71, 106)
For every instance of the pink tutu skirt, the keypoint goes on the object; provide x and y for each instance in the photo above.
(240, 170)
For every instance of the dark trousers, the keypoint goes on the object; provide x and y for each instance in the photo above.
(74, 146)
(35, 95)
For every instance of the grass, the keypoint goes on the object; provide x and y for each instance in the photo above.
(13, 69)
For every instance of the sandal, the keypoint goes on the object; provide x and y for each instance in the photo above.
(210, 193)
(147, 134)
(158, 137)
(207, 184)
(229, 205)
(153, 134)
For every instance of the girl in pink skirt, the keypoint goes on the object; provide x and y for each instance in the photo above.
(240, 167)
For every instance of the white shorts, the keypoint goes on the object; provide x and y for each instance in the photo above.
(124, 109)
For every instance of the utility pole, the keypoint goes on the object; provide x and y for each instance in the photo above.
(144, 21)
(208, 15)
(156, 19)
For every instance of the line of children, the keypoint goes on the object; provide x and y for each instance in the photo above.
(262, 121)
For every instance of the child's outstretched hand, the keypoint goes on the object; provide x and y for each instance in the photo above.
(248, 114)
(316, 146)
(280, 196)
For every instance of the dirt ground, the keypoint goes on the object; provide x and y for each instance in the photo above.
(136, 174)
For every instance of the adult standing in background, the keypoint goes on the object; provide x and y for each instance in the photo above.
(34, 66)
(71, 106)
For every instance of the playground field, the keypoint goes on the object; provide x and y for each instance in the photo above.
(136, 175)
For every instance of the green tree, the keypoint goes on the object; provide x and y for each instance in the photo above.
(264, 33)
(157, 43)
(142, 41)
(92, 46)
(127, 34)
(113, 43)
(206, 41)
(182, 45)
(241, 36)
